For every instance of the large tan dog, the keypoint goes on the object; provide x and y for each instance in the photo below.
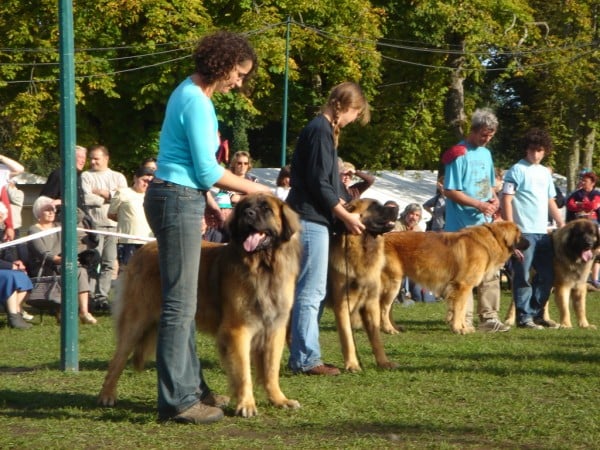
(355, 265)
(245, 296)
(451, 263)
(575, 247)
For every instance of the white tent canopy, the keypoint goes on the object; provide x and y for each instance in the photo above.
(407, 186)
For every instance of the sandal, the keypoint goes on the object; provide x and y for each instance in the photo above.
(87, 318)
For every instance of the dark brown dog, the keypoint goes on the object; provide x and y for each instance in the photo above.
(575, 247)
(245, 296)
(451, 263)
(355, 265)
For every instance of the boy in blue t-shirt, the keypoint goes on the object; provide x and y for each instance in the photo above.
(528, 197)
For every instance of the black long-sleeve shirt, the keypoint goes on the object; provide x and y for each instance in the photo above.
(315, 177)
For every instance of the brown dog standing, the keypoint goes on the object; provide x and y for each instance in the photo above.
(575, 247)
(451, 263)
(355, 265)
(246, 291)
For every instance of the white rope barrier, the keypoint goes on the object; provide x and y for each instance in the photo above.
(50, 231)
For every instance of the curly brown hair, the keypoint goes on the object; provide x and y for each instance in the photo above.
(217, 54)
(537, 138)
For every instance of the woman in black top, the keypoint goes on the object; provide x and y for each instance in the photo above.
(315, 195)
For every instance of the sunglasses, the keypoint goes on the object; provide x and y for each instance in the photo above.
(242, 163)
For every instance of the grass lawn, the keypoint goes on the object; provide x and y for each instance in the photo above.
(521, 389)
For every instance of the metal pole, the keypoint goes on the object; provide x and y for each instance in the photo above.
(69, 355)
(285, 94)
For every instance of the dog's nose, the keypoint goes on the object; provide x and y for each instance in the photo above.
(250, 213)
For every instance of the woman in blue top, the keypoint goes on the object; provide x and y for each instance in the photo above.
(174, 206)
(315, 195)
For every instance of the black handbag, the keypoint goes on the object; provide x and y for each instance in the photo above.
(46, 292)
(45, 289)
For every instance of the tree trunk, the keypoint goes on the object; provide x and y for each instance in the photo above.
(573, 165)
(588, 148)
(454, 108)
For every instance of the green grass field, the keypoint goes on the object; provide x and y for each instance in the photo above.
(521, 389)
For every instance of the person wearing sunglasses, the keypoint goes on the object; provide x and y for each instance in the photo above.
(127, 209)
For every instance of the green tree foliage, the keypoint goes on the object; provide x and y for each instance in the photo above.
(130, 55)
(436, 57)
(425, 66)
(555, 82)
(328, 45)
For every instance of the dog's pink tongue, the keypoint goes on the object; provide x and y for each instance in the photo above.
(586, 255)
(252, 241)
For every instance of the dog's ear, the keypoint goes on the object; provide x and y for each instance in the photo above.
(290, 222)
(350, 207)
(231, 222)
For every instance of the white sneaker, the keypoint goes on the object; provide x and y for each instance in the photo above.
(26, 316)
(530, 325)
(493, 326)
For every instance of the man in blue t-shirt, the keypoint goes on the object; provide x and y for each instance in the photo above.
(469, 181)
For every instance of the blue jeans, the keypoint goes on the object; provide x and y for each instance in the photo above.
(175, 213)
(305, 350)
(531, 296)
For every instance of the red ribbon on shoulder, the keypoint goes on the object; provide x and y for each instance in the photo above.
(453, 152)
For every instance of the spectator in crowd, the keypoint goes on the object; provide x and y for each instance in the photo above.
(45, 254)
(316, 197)
(585, 203)
(283, 182)
(16, 198)
(14, 282)
(174, 206)
(9, 168)
(218, 208)
(53, 186)
(221, 203)
(410, 220)
(352, 190)
(150, 163)
(436, 206)
(99, 184)
(241, 165)
(527, 197)
(127, 209)
(469, 180)
(15, 285)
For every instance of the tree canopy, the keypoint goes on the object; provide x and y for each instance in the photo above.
(425, 66)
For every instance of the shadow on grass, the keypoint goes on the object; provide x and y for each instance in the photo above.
(90, 365)
(64, 405)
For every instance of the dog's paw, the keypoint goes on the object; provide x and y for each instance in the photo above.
(589, 326)
(247, 409)
(353, 367)
(389, 365)
(107, 399)
(289, 404)
(463, 330)
(565, 326)
(391, 330)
